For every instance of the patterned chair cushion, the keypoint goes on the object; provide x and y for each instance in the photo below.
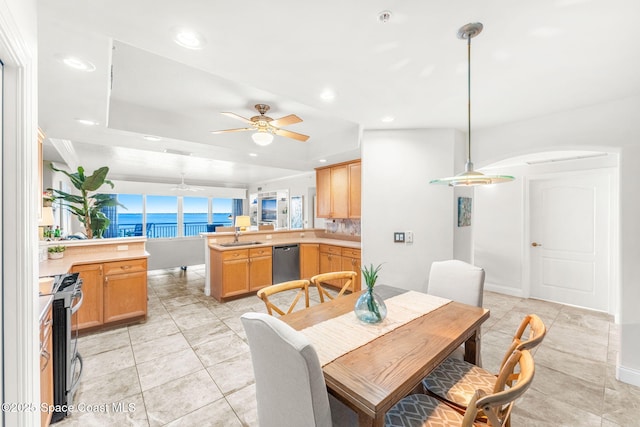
(456, 380)
(417, 410)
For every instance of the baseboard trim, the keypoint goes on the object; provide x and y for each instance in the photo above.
(503, 290)
(628, 375)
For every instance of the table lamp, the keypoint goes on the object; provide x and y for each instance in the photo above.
(242, 222)
(47, 220)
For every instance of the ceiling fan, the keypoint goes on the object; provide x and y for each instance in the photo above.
(184, 187)
(265, 127)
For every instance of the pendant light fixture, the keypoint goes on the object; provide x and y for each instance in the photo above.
(470, 177)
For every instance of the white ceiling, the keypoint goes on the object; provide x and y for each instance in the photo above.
(532, 59)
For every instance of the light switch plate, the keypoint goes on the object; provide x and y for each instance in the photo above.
(398, 237)
(408, 236)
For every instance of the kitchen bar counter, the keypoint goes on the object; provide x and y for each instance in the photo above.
(92, 251)
(282, 241)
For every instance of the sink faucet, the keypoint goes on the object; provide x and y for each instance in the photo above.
(235, 239)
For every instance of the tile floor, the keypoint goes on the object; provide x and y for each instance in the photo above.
(189, 364)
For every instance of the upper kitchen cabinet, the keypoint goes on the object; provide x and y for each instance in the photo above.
(338, 190)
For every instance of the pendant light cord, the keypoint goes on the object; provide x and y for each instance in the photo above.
(469, 99)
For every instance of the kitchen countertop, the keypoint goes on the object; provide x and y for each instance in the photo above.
(51, 267)
(285, 241)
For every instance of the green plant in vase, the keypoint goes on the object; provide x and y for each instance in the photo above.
(56, 252)
(370, 308)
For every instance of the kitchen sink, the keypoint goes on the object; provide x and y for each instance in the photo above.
(231, 244)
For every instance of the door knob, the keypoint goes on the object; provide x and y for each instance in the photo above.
(534, 244)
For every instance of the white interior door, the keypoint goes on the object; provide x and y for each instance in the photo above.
(570, 239)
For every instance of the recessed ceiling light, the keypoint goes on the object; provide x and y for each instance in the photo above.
(388, 119)
(253, 155)
(87, 122)
(323, 160)
(328, 95)
(76, 63)
(384, 16)
(152, 138)
(189, 38)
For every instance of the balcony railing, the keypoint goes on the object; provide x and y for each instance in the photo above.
(155, 230)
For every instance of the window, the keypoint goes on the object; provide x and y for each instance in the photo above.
(222, 212)
(127, 221)
(161, 216)
(195, 216)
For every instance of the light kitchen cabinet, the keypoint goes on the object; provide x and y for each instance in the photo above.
(239, 272)
(113, 292)
(309, 260)
(90, 313)
(351, 262)
(338, 190)
(331, 260)
(260, 268)
(46, 367)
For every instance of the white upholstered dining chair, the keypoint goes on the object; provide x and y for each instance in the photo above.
(290, 387)
(457, 281)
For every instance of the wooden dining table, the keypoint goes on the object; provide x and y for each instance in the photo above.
(374, 377)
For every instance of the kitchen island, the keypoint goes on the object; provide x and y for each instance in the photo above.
(234, 269)
(114, 275)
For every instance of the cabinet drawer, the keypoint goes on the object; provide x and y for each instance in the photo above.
(128, 266)
(330, 249)
(258, 252)
(237, 254)
(351, 253)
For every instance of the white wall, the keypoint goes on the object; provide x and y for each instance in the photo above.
(610, 126)
(396, 196)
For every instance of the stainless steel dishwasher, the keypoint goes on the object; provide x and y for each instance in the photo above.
(286, 263)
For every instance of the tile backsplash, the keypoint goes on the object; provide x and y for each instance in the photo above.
(349, 227)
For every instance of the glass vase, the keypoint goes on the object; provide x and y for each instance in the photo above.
(370, 308)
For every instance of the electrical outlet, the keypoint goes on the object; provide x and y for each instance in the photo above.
(398, 237)
(268, 237)
(408, 236)
(123, 247)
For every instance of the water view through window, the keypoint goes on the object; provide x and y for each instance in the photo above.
(157, 216)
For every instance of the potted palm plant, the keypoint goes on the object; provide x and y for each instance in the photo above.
(87, 206)
(370, 308)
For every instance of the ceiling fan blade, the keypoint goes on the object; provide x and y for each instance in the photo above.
(230, 130)
(237, 117)
(294, 135)
(285, 121)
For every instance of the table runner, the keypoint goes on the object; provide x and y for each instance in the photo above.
(340, 335)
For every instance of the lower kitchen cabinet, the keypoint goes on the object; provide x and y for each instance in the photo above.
(331, 260)
(351, 262)
(113, 292)
(260, 268)
(309, 260)
(90, 313)
(239, 272)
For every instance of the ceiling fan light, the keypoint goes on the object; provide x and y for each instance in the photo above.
(262, 138)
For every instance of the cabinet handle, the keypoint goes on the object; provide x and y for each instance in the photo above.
(125, 267)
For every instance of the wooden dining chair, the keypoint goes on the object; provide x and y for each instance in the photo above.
(290, 386)
(346, 278)
(266, 227)
(223, 228)
(455, 381)
(424, 410)
(270, 291)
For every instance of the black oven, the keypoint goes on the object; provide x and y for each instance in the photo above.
(67, 362)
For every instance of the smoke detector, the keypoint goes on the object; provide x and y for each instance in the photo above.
(384, 16)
